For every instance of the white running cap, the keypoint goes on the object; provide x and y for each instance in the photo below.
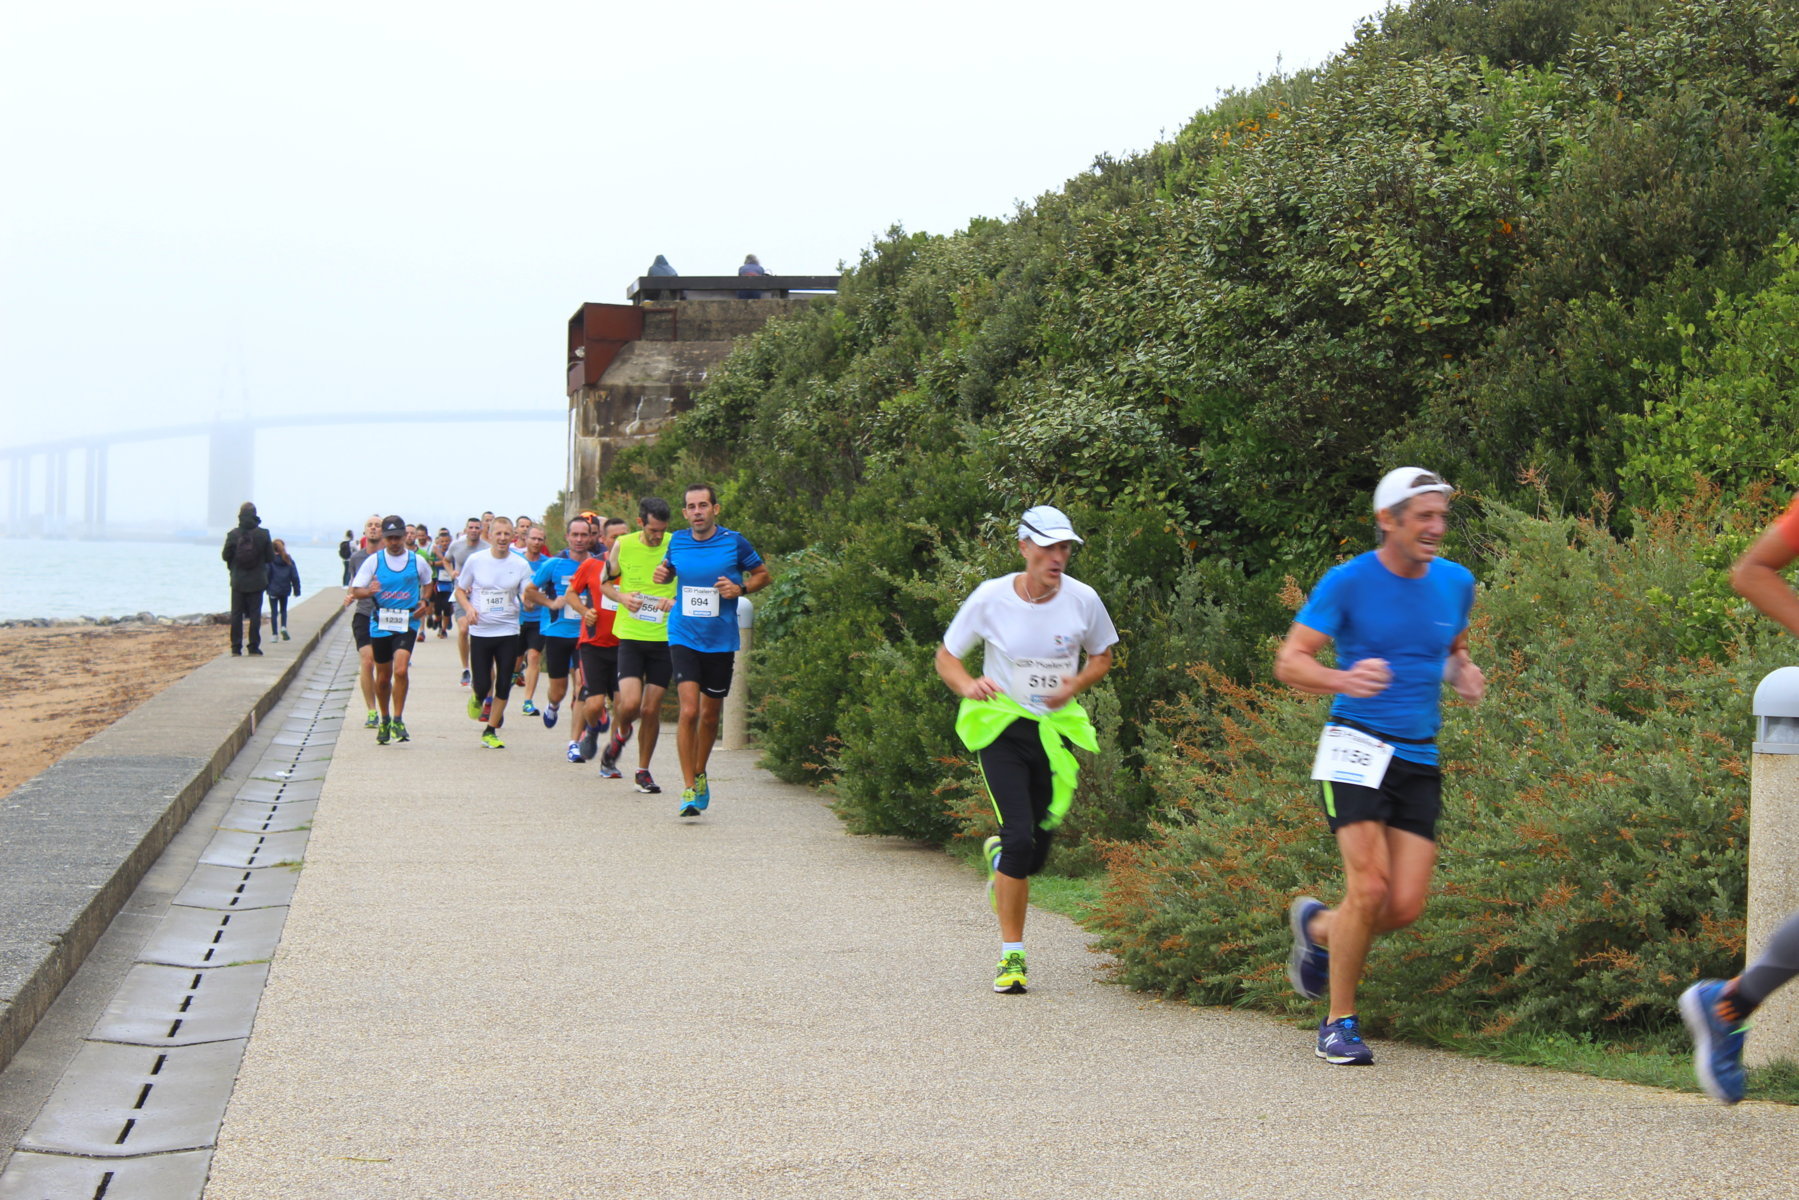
(1046, 526)
(1396, 487)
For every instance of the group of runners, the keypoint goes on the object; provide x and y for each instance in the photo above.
(1397, 617)
(615, 618)
(624, 613)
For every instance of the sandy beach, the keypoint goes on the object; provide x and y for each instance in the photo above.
(64, 685)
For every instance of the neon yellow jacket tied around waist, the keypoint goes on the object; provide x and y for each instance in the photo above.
(979, 722)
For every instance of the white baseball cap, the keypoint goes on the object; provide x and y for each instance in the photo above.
(1396, 487)
(1046, 526)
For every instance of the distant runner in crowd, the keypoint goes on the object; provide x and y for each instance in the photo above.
(529, 544)
(246, 555)
(641, 625)
(461, 550)
(395, 580)
(712, 566)
(490, 591)
(359, 623)
(284, 581)
(1717, 1011)
(1399, 617)
(443, 574)
(1019, 715)
(599, 648)
(561, 620)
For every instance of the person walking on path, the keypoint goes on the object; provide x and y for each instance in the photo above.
(395, 580)
(712, 566)
(346, 548)
(490, 590)
(1019, 715)
(641, 625)
(1717, 1011)
(284, 581)
(248, 550)
(1399, 616)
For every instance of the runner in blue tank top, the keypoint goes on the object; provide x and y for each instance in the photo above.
(1399, 617)
(713, 566)
(395, 579)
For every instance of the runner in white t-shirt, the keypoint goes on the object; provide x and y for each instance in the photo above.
(1019, 714)
(490, 591)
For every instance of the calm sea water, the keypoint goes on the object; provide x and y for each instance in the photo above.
(115, 579)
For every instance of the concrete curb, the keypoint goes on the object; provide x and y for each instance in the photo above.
(76, 839)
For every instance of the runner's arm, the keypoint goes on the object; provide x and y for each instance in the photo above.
(754, 580)
(956, 677)
(1296, 665)
(1469, 682)
(1092, 673)
(1757, 579)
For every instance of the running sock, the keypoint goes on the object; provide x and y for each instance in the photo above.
(1006, 948)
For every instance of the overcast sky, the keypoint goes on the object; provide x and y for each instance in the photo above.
(261, 208)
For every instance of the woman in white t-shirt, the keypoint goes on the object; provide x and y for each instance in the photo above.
(1019, 714)
(490, 588)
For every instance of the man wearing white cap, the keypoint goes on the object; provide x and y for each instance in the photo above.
(1019, 714)
(1399, 617)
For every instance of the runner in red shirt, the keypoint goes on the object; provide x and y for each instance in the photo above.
(598, 648)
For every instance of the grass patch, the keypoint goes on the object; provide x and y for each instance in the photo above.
(1069, 895)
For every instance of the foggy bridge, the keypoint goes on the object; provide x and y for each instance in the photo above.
(231, 461)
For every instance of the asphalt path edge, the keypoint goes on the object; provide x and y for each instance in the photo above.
(76, 839)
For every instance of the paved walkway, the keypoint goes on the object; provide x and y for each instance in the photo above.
(503, 977)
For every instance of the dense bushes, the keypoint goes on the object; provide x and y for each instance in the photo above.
(1592, 847)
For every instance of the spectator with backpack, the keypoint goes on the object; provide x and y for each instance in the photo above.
(247, 554)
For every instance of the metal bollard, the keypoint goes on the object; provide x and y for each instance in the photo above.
(1774, 854)
(736, 715)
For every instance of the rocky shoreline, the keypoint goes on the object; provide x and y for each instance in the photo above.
(143, 618)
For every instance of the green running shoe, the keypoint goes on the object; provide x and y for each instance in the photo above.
(399, 730)
(492, 741)
(374, 721)
(990, 856)
(1010, 975)
(382, 732)
(474, 707)
(702, 792)
(689, 808)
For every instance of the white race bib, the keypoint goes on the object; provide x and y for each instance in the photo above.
(699, 601)
(651, 612)
(608, 604)
(392, 620)
(1030, 681)
(491, 600)
(1348, 755)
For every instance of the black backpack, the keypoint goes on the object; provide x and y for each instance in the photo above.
(248, 555)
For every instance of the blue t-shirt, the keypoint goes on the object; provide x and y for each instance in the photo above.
(551, 578)
(1411, 623)
(528, 613)
(698, 566)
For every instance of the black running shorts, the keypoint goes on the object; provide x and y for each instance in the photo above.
(711, 669)
(599, 669)
(386, 647)
(1409, 798)
(359, 629)
(558, 653)
(647, 661)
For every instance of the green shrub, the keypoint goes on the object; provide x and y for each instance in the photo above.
(897, 742)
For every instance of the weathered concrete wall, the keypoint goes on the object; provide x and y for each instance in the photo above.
(653, 381)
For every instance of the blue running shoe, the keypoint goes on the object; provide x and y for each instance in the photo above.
(1309, 965)
(607, 772)
(1340, 1042)
(702, 792)
(549, 717)
(574, 752)
(530, 710)
(1717, 1048)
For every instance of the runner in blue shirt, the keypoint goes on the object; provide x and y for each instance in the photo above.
(1399, 617)
(561, 625)
(713, 566)
(529, 545)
